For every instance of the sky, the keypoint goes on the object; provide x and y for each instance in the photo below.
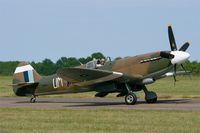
(32, 30)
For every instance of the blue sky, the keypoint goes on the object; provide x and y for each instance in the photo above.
(32, 30)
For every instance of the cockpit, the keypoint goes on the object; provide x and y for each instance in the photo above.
(97, 63)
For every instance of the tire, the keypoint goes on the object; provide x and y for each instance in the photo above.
(130, 99)
(33, 100)
(151, 97)
(151, 101)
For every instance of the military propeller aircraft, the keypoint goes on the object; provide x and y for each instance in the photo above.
(123, 76)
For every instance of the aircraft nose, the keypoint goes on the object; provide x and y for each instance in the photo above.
(187, 56)
(179, 57)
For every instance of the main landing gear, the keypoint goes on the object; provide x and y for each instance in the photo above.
(33, 99)
(130, 98)
(150, 96)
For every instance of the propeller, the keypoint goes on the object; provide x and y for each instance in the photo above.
(176, 56)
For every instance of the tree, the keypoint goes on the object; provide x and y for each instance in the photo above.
(46, 67)
(98, 55)
(62, 62)
(8, 68)
(67, 62)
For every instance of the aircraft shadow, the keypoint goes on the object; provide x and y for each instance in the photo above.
(170, 101)
(79, 103)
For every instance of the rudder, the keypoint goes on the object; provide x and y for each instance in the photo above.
(25, 79)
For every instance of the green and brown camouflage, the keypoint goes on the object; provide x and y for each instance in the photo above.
(130, 66)
(124, 76)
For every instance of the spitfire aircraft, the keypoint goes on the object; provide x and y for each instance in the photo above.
(123, 76)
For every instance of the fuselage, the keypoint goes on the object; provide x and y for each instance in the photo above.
(147, 65)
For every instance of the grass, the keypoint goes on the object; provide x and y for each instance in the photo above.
(97, 121)
(5, 86)
(184, 88)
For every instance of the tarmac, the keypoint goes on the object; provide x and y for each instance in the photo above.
(99, 103)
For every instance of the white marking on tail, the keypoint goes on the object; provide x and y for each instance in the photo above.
(23, 69)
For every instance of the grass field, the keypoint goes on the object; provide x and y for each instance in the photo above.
(5, 86)
(184, 88)
(98, 121)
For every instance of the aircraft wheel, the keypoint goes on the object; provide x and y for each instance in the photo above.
(130, 99)
(33, 100)
(151, 97)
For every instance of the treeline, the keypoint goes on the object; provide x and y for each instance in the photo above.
(193, 67)
(48, 67)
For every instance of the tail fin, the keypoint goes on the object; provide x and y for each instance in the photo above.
(25, 79)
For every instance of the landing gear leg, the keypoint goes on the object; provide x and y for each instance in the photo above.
(33, 99)
(150, 96)
(130, 98)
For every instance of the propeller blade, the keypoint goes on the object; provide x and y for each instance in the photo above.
(175, 66)
(186, 71)
(185, 46)
(172, 39)
(183, 68)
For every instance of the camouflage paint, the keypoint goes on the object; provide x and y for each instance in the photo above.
(143, 65)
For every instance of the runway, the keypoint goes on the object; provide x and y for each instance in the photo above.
(96, 103)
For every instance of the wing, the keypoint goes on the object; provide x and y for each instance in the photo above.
(86, 77)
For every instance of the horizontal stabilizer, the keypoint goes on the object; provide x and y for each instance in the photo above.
(24, 84)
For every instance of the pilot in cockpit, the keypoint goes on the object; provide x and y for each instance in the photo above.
(100, 63)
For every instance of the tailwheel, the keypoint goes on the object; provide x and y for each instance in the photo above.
(33, 100)
(150, 97)
(130, 99)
